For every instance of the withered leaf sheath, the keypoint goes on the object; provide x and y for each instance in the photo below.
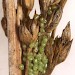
(44, 4)
(59, 49)
(62, 3)
(66, 35)
(25, 35)
(55, 21)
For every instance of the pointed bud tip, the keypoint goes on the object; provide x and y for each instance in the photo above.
(68, 25)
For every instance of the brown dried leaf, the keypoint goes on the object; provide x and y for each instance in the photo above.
(58, 51)
(53, 33)
(62, 46)
(4, 25)
(50, 19)
(53, 62)
(25, 35)
(56, 20)
(44, 4)
(62, 3)
(57, 16)
(64, 52)
(66, 34)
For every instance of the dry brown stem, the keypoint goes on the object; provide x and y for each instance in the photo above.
(14, 44)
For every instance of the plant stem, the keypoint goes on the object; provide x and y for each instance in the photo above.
(14, 44)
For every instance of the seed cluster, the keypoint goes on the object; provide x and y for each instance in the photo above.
(37, 59)
(51, 9)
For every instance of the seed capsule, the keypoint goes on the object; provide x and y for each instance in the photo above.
(30, 73)
(42, 25)
(38, 57)
(36, 16)
(30, 56)
(42, 30)
(44, 71)
(40, 66)
(35, 72)
(43, 44)
(49, 12)
(45, 60)
(32, 45)
(41, 49)
(30, 70)
(30, 65)
(43, 20)
(21, 67)
(35, 67)
(45, 66)
(54, 7)
(45, 39)
(35, 50)
(36, 44)
(35, 61)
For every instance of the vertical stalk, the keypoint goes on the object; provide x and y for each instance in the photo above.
(14, 44)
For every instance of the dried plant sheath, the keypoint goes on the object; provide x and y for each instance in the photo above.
(62, 3)
(58, 52)
(25, 35)
(44, 4)
(56, 20)
(66, 35)
(63, 53)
